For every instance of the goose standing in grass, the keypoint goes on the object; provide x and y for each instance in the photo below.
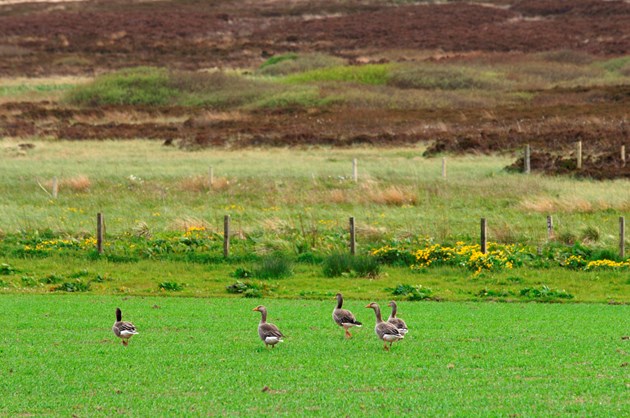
(343, 317)
(123, 329)
(397, 322)
(385, 331)
(269, 333)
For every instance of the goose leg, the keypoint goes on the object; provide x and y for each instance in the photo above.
(125, 342)
(385, 347)
(348, 335)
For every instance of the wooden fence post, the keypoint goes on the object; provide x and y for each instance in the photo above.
(527, 160)
(55, 188)
(226, 236)
(578, 152)
(355, 170)
(484, 233)
(549, 228)
(622, 237)
(623, 155)
(353, 242)
(99, 232)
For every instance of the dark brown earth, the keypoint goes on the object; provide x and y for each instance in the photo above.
(86, 38)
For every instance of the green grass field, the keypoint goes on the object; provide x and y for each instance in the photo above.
(199, 357)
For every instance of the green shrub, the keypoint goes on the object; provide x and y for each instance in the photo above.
(336, 265)
(242, 273)
(276, 59)
(545, 293)
(75, 286)
(412, 293)
(133, 86)
(248, 289)
(171, 286)
(590, 234)
(372, 74)
(293, 63)
(274, 266)
(51, 279)
(6, 269)
(29, 281)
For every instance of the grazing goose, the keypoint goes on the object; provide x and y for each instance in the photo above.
(343, 317)
(385, 331)
(123, 329)
(398, 323)
(269, 333)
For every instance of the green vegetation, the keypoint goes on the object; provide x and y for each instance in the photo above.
(316, 80)
(293, 63)
(371, 74)
(489, 359)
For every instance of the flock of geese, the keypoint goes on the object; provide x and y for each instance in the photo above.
(391, 331)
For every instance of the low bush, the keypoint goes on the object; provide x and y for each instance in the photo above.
(412, 293)
(337, 265)
(171, 286)
(274, 266)
(134, 86)
(292, 63)
(545, 293)
(372, 74)
(74, 286)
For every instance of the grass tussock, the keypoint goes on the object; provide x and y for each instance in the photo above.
(78, 184)
(371, 74)
(292, 63)
(392, 196)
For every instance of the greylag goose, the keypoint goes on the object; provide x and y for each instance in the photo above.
(385, 331)
(398, 323)
(343, 317)
(123, 329)
(269, 333)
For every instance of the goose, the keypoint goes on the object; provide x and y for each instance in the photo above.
(398, 323)
(269, 333)
(384, 330)
(123, 329)
(343, 317)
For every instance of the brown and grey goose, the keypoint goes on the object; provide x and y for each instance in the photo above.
(268, 332)
(384, 330)
(123, 329)
(398, 323)
(343, 317)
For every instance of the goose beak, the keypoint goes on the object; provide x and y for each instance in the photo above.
(255, 309)
(368, 305)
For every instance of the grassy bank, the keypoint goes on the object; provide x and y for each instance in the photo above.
(458, 359)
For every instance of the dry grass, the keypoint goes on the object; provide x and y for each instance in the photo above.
(78, 184)
(569, 205)
(392, 196)
(199, 184)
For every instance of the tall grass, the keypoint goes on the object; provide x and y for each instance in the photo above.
(399, 193)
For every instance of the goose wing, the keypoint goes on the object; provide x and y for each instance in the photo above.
(344, 316)
(267, 330)
(385, 328)
(398, 323)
